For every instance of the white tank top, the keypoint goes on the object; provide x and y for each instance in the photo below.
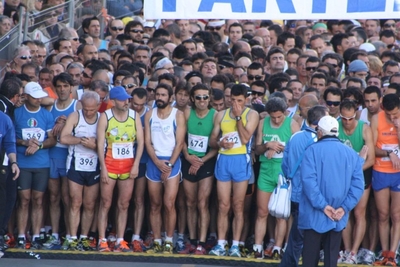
(85, 158)
(163, 133)
(364, 116)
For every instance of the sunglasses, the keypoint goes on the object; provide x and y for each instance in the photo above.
(85, 75)
(257, 93)
(311, 68)
(213, 28)
(201, 97)
(221, 67)
(117, 28)
(149, 89)
(131, 85)
(25, 57)
(75, 39)
(333, 65)
(53, 15)
(252, 77)
(333, 103)
(389, 25)
(137, 31)
(348, 118)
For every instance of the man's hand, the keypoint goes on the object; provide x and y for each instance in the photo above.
(363, 152)
(59, 125)
(225, 144)
(15, 171)
(134, 172)
(237, 110)
(194, 160)
(89, 142)
(276, 146)
(338, 214)
(330, 212)
(104, 175)
(193, 170)
(395, 161)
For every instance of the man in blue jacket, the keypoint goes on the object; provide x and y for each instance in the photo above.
(293, 155)
(333, 183)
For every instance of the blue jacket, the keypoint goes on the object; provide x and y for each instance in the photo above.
(331, 174)
(7, 135)
(295, 149)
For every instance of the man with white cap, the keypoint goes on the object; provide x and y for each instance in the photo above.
(33, 127)
(323, 212)
(218, 26)
(358, 69)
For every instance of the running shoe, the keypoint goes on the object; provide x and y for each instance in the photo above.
(52, 243)
(156, 248)
(277, 254)
(9, 241)
(73, 245)
(351, 258)
(189, 249)
(149, 240)
(21, 243)
(381, 261)
(342, 256)
(243, 251)
(122, 247)
(200, 250)
(36, 244)
(86, 244)
(234, 251)
(210, 243)
(65, 244)
(168, 248)
(268, 249)
(218, 250)
(255, 254)
(360, 254)
(103, 246)
(180, 246)
(137, 246)
(368, 257)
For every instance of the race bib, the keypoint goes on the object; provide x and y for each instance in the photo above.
(86, 162)
(234, 138)
(122, 150)
(394, 147)
(28, 133)
(198, 143)
(276, 155)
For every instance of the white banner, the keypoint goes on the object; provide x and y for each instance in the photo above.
(271, 9)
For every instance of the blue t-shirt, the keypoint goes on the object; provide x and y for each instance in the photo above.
(30, 124)
(60, 151)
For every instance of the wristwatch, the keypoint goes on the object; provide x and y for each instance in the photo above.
(40, 145)
(388, 152)
(169, 164)
(238, 118)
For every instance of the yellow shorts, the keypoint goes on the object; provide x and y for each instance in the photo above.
(122, 176)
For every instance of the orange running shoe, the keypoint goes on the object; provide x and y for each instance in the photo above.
(122, 247)
(9, 240)
(103, 246)
(137, 246)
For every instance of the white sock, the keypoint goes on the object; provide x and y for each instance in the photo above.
(213, 235)
(221, 242)
(82, 237)
(135, 237)
(47, 228)
(276, 248)
(119, 240)
(159, 241)
(55, 235)
(258, 248)
(241, 243)
(181, 236)
(34, 237)
(42, 230)
(272, 240)
(21, 236)
(284, 247)
(68, 236)
(235, 243)
(168, 239)
(73, 237)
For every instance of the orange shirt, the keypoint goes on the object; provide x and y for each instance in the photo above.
(51, 93)
(387, 140)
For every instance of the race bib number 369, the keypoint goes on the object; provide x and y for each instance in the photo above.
(122, 150)
(28, 133)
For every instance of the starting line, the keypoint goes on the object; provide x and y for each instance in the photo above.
(142, 257)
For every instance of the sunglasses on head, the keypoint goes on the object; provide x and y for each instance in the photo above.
(311, 68)
(333, 103)
(25, 57)
(131, 85)
(201, 97)
(348, 118)
(137, 31)
(252, 77)
(117, 28)
(214, 28)
(257, 93)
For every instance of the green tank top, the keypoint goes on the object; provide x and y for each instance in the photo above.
(281, 134)
(199, 131)
(356, 140)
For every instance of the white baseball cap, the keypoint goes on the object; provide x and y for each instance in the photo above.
(330, 125)
(34, 90)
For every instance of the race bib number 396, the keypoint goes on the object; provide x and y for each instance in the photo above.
(86, 162)
(122, 150)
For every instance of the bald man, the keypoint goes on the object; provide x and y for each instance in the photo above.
(265, 35)
(305, 103)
